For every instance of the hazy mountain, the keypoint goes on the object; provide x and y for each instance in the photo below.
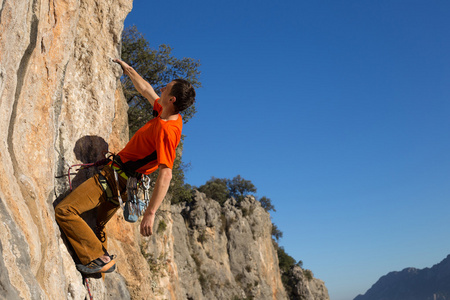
(413, 284)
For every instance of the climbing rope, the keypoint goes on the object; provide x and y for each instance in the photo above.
(99, 163)
(89, 290)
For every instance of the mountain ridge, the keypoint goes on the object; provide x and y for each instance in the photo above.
(413, 284)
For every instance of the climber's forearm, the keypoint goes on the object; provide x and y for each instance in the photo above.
(160, 189)
(159, 192)
(142, 86)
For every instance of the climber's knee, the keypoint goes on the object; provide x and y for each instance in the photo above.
(59, 213)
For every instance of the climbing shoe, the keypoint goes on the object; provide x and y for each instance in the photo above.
(97, 266)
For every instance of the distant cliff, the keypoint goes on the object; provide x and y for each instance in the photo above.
(214, 252)
(62, 104)
(413, 284)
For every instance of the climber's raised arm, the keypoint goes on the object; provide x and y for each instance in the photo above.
(140, 84)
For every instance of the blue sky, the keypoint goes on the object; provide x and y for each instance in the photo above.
(338, 111)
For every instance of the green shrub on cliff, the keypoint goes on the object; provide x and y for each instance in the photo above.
(221, 189)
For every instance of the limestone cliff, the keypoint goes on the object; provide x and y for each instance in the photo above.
(214, 252)
(62, 104)
(59, 95)
(201, 250)
(306, 288)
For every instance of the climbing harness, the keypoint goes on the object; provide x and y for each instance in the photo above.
(134, 207)
(109, 193)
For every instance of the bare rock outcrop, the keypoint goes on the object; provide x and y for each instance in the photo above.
(59, 95)
(214, 252)
(202, 250)
(305, 286)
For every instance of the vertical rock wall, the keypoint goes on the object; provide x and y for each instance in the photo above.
(59, 97)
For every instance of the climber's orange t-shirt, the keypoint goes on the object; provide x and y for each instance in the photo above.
(152, 145)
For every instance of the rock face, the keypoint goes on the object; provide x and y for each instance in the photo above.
(307, 289)
(413, 284)
(59, 96)
(62, 104)
(218, 252)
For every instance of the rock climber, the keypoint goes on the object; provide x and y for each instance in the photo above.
(152, 147)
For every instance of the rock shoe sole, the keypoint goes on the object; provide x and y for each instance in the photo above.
(97, 266)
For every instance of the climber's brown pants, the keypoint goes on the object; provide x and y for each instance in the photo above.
(89, 195)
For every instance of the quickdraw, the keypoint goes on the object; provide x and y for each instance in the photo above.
(134, 207)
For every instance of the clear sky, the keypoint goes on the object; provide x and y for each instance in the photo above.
(338, 111)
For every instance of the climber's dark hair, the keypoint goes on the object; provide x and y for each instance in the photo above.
(184, 93)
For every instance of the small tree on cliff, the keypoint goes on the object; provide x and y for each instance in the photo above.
(266, 203)
(158, 67)
(239, 187)
(276, 233)
(220, 189)
(216, 188)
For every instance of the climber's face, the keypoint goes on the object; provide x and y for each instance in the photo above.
(166, 97)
